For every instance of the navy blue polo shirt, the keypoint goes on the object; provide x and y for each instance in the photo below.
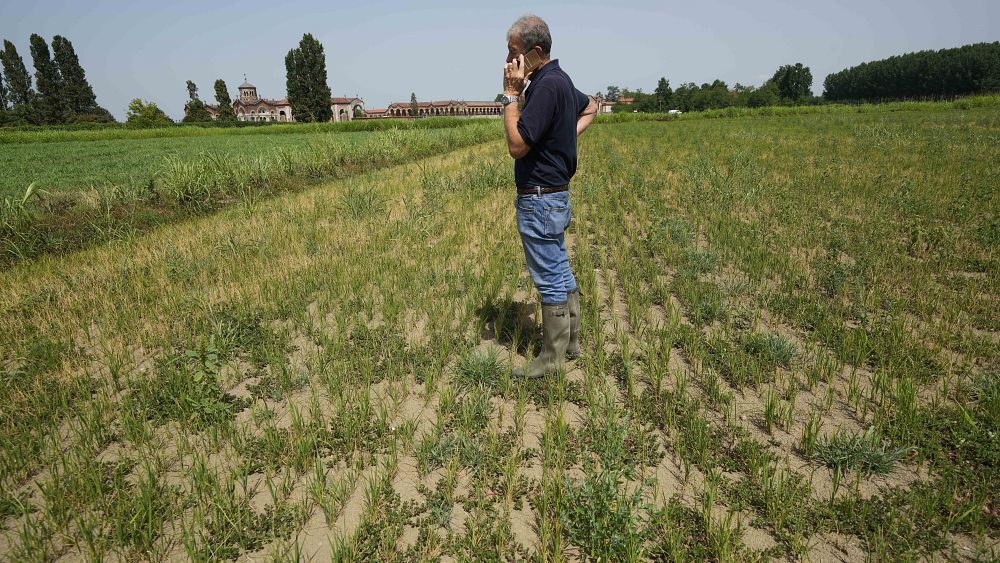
(548, 125)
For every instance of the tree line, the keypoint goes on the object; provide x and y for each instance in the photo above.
(790, 84)
(960, 71)
(60, 93)
(964, 70)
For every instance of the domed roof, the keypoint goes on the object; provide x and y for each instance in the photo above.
(247, 85)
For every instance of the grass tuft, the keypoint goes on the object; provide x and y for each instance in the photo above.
(482, 369)
(866, 453)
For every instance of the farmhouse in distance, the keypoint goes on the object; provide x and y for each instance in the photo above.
(250, 107)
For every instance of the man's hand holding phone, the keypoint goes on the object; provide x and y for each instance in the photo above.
(519, 70)
(514, 75)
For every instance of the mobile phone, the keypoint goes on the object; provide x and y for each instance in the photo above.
(532, 60)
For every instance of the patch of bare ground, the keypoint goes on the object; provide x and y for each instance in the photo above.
(503, 415)
(967, 548)
(573, 415)
(296, 404)
(9, 534)
(414, 407)
(534, 427)
(656, 317)
(327, 324)
(834, 547)
(672, 480)
(415, 331)
(524, 527)
(754, 538)
(987, 335)
(407, 480)
(303, 354)
(575, 374)
(241, 390)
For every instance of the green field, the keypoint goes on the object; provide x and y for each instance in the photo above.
(76, 165)
(791, 350)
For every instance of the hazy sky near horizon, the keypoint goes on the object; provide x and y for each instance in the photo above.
(445, 49)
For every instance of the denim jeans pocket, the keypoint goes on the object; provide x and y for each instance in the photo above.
(557, 218)
(526, 217)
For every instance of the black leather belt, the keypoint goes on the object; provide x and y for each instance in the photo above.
(539, 190)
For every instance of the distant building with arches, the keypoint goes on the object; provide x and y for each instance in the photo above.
(250, 107)
(451, 108)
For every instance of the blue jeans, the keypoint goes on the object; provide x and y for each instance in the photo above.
(542, 221)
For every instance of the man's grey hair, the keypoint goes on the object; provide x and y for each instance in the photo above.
(532, 30)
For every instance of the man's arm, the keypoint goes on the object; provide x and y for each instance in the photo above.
(586, 117)
(515, 143)
(513, 85)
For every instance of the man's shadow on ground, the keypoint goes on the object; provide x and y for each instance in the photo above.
(511, 324)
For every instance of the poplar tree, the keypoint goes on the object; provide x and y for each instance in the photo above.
(414, 106)
(51, 109)
(18, 83)
(78, 96)
(224, 101)
(305, 80)
(3, 94)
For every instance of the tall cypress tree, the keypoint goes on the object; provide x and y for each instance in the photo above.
(78, 95)
(293, 84)
(51, 108)
(18, 82)
(3, 94)
(224, 101)
(305, 80)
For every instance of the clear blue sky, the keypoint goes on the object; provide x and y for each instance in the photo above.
(383, 50)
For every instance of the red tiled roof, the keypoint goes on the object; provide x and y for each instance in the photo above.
(343, 100)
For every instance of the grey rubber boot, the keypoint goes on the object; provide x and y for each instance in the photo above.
(555, 337)
(573, 303)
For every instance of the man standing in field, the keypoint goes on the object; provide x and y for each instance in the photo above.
(542, 140)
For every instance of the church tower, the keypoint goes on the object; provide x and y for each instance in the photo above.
(248, 92)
